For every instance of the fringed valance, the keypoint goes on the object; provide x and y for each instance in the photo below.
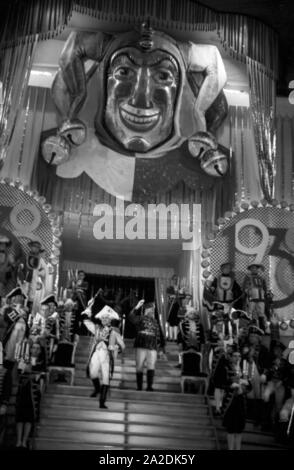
(27, 18)
(242, 35)
(246, 39)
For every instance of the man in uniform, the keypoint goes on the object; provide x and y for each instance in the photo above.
(256, 290)
(226, 289)
(149, 338)
(52, 325)
(68, 330)
(106, 341)
(7, 264)
(15, 317)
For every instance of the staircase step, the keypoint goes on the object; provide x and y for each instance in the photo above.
(42, 443)
(130, 371)
(128, 427)
(131, 385)
(81, 360)
(61, 444)
(131, 377)
(122, 394)
(123, 405)
(119, 438)
(146, 416)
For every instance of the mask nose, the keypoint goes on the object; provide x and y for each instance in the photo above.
(142, 94)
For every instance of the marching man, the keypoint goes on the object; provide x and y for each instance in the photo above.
(149, 340)
(106, 341)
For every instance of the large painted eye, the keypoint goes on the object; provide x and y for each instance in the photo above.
(163, 76)
(124, 72)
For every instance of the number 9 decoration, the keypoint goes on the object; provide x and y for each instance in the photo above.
(257, 234)
(26, 219)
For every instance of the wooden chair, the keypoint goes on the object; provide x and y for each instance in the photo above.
(68, 368)
(192, 370)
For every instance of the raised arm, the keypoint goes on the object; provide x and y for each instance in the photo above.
(207, 59)
(134, 315)
(69, 87)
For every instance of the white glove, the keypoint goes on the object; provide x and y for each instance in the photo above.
(263, 378)
(139, 304)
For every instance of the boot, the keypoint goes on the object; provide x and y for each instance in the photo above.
(139, 380)
(96, 384)
(150, 377)
(266, 423)
(104, 390)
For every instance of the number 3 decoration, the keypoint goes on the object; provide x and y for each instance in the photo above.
(257, 233)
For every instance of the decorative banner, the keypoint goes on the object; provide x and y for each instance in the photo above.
(262, 234)
(25, 218)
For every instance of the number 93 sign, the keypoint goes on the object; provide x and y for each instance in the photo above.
(257, 234)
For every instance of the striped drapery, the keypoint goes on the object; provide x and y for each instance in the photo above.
(26, 19)
(252, 42)
(242, 35)
(16, 67)
(263, 108)
(247, 40)
(284, 181)
(24, 147)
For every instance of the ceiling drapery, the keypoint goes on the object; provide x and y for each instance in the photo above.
(245, 38)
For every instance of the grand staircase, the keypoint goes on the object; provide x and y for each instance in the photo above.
(163, 419)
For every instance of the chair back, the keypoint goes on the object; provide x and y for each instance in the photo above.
(191, 363)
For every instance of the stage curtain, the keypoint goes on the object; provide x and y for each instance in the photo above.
(24, 19)
(263, 109)
(126, 271)
(252, 42)
(284, 181)
(237, 134)
(24, 147)
(16, 65)
(189, 267)
(161, 285)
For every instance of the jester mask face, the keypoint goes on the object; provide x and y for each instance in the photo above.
(141, 97)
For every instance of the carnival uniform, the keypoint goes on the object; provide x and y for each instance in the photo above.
(226, 290)
(191, 334)
(148, 339)
(68, 328)
(34, 277)
(7, 263)
(29, 392)
(173, 306)
(255, 288)
(52, 335)
(16, 331)
(277, 376)
(80, 288)
(105, 343)
(234, 404)
(37, 325)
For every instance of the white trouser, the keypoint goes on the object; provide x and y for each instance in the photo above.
(99, 366)
(148, 355)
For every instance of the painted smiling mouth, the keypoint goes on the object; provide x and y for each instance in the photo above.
(137, 118)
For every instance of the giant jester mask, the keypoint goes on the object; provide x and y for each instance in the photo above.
(141, 96)
(154, 93)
